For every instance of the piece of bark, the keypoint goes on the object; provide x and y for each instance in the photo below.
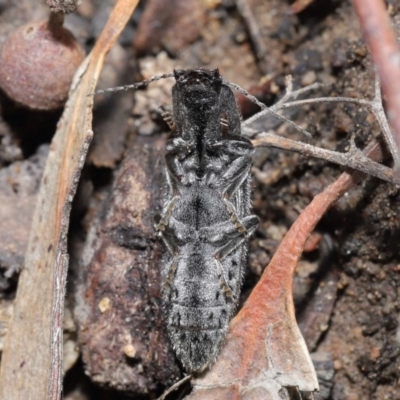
(121, 327)
(31, 366)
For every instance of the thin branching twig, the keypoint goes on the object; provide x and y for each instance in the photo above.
(266, 109)
(354, 158)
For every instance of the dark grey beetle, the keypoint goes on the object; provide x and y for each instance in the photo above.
(206, 218)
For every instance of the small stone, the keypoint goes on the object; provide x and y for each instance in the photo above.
(104, 304)
(374, 354)
(337, 365)
(308, 78)
(130, 350)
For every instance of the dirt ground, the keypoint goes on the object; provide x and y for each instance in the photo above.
(346, 287)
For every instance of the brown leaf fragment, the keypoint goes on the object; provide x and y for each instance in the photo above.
(312, 242)
(121, 329)
(169, 25)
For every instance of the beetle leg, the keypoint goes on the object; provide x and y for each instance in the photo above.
(233, 239)
(226, 289)
(163, 223)
(170, 275)
(233, 177)
(167, 117)
(250, 224)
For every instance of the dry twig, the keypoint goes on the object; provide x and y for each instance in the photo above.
(354, 158)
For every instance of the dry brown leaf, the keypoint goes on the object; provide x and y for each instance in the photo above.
(31, 365)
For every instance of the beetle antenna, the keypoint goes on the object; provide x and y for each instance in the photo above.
(135, 85)
(265, 107)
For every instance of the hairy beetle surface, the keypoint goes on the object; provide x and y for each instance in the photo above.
(206, 218)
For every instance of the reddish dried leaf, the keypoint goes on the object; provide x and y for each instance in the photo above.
(265, 351)
(312, 242)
